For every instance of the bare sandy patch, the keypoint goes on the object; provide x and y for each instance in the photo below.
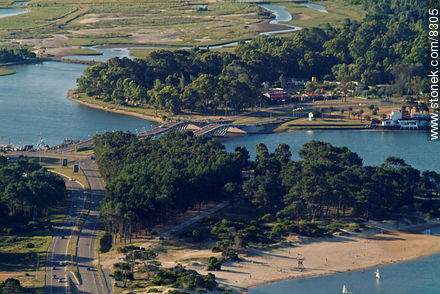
(301, 16)
(325, 256)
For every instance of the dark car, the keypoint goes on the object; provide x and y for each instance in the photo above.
(92, 157)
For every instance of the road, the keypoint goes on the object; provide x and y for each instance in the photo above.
(91, 283)
(57, 252)
(89, 280)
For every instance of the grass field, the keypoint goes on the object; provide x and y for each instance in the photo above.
(53, 24)
(338, 12)
(5, 72)
(83, 51)
(18, 260)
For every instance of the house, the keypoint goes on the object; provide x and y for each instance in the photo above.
(416, 122)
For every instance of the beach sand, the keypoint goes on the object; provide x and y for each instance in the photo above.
(323, 256)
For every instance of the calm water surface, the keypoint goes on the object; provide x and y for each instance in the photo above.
(107, 53)
(17, 3)
(421, 276)
(317, 7)
(374, 147)
(4, 12)
(33, 106)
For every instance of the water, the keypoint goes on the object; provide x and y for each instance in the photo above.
(418, 276)
(317, 7)
(33, 106)
(373, 146)
(281, 15)
(412, 277)
(107, 53)
(17, 3)
(4, 12)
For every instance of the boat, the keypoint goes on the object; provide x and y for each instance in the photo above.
(377, 274)
(345, 290)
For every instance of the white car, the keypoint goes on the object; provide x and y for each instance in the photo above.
(71, 179)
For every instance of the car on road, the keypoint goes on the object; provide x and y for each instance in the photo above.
(60, 280)
(92, 157)
(71, 179)
(54, 268)
(54, 276)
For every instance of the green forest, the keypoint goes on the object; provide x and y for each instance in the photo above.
(152, 181)
(27, 193)
(15, 54)
(389, 46)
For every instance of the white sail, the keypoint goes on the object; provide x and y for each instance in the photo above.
(344, 290)
(377, 274)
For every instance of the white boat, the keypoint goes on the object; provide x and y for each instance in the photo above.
(377, 274)
(345, 290)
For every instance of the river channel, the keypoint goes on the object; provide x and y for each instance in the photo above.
(33, 106)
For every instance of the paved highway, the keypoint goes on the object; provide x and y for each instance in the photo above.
(89, 280)
(56, 272)
(91, 283)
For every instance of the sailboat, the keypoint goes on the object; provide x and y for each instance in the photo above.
(345, 290)
(377, 274)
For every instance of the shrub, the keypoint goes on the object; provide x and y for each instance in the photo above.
(29, 245)
(214, 264)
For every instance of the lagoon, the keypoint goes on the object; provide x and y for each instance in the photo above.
(4, 12)
(33, 106)
(373, 146)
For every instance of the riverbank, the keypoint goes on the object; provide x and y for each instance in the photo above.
(265, 124)
(6, 72)
(71, 96)
(324, 256)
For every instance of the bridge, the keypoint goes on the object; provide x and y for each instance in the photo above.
(199, 128)
(162, 129)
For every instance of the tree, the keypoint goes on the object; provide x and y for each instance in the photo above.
(214, 264)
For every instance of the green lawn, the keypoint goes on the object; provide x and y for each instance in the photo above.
(83, 51)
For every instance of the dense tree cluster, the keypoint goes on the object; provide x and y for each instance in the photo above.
(174, 80)
(331, 181)
(151, 181)
(15, 54)
(27, 191)
(389, 46)
(12, 286)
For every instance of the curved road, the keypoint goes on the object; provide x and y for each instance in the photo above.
(89, 279)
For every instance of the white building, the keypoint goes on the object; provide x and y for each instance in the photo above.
(396, 121)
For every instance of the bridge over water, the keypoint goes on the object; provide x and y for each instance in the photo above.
(199, 128)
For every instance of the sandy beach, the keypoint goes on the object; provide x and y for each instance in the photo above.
(323, 256)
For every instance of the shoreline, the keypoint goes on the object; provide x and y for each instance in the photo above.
(118, 111)
(159, 120)
(369, 239)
